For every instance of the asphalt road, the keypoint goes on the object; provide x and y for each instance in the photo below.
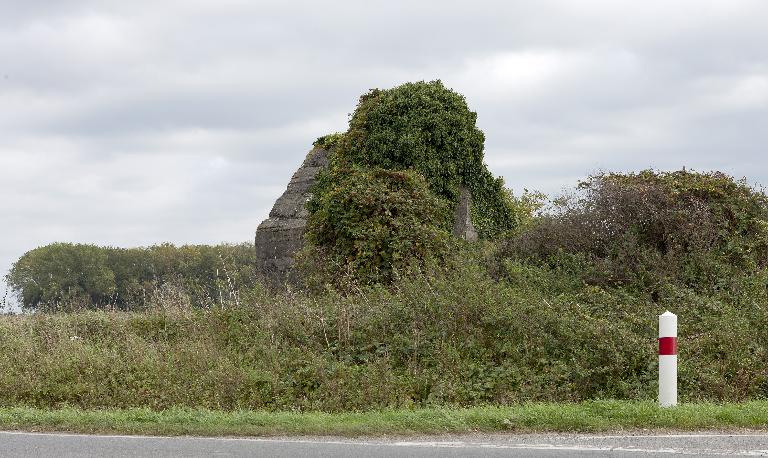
(16, 444)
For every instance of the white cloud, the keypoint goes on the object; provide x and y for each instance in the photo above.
(529, 74)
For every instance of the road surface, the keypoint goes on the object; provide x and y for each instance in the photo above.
(17, 444)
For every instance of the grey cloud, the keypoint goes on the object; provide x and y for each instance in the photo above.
(133, 123)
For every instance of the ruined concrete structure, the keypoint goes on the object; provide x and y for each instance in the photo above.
(462, 217)
(281, 235)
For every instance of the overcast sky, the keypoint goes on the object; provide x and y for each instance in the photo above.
(132, 123)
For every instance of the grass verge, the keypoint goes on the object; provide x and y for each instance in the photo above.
(582, 417)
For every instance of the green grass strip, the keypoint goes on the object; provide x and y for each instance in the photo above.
(582, 417)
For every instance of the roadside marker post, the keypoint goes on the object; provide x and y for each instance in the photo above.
(667, 359)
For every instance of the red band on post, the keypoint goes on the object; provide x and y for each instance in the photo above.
(667, 345)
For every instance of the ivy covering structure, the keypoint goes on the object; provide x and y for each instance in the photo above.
(426, 132)
(427, 128)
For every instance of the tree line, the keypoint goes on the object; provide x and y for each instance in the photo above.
(65, 276)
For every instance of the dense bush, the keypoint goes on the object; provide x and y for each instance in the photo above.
(421, 135)
(65, 276)
(372, 222)
(427, 128)
(651, 229)
(457, 338)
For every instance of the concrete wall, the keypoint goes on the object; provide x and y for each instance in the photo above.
(282, 234)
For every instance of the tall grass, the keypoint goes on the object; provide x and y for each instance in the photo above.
(453, 339)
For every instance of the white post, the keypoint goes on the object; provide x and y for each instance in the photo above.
(667, 359)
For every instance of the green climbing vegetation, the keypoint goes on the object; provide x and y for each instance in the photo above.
(428, 128)
(422, 129)
(372, 222)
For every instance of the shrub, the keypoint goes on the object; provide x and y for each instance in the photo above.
(372, 222)
(651, 228)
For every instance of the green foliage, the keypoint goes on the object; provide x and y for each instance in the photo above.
(372, 222)
(439, 338)
(65, 276)
(526, 207)
(650, 229)
(328, 141)
(63, 273)
(428, 128)
(387, 217)
(568, 311)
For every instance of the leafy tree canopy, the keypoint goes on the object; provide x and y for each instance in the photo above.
(66, 275)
